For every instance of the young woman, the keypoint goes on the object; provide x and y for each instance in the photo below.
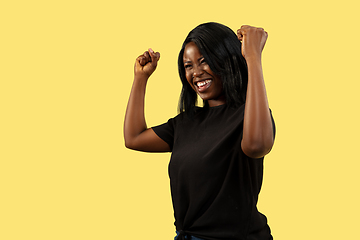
(216, 166)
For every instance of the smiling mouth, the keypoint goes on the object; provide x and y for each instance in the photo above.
(203, 85)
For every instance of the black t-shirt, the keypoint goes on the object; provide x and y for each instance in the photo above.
(214, 185)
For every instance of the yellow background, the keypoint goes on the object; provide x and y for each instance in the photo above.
(66, 71)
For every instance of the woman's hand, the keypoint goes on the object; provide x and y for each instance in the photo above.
(253, 40)
(146, 63)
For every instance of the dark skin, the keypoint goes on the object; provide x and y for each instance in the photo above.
(201, 78)
(136, 134)
(258, 136)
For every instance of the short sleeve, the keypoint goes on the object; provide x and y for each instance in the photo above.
(166, 131)
(273, 122)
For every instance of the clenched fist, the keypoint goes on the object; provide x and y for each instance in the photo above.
(253, 40)
(146, 63)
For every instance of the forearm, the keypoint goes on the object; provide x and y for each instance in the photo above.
(134, 123)
(258, 129)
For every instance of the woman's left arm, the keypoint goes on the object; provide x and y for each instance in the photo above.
(258, 135)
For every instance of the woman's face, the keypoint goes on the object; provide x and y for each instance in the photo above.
(200, 77)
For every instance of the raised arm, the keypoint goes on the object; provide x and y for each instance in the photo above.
(258, 137)
(136, 134)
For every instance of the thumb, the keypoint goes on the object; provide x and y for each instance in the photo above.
(155, 56)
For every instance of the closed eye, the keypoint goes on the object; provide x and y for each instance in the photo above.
(187, 66)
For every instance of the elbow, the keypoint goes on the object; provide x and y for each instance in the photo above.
(256, 149)
(129, 140)
(129, 144)
(133, 144)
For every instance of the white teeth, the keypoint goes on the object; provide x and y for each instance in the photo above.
(202, 83)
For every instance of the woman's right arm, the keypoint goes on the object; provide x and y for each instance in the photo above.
(136, 134)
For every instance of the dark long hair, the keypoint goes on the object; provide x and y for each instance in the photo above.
(221, 49)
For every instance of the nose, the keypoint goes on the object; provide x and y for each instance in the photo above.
(198, 71)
